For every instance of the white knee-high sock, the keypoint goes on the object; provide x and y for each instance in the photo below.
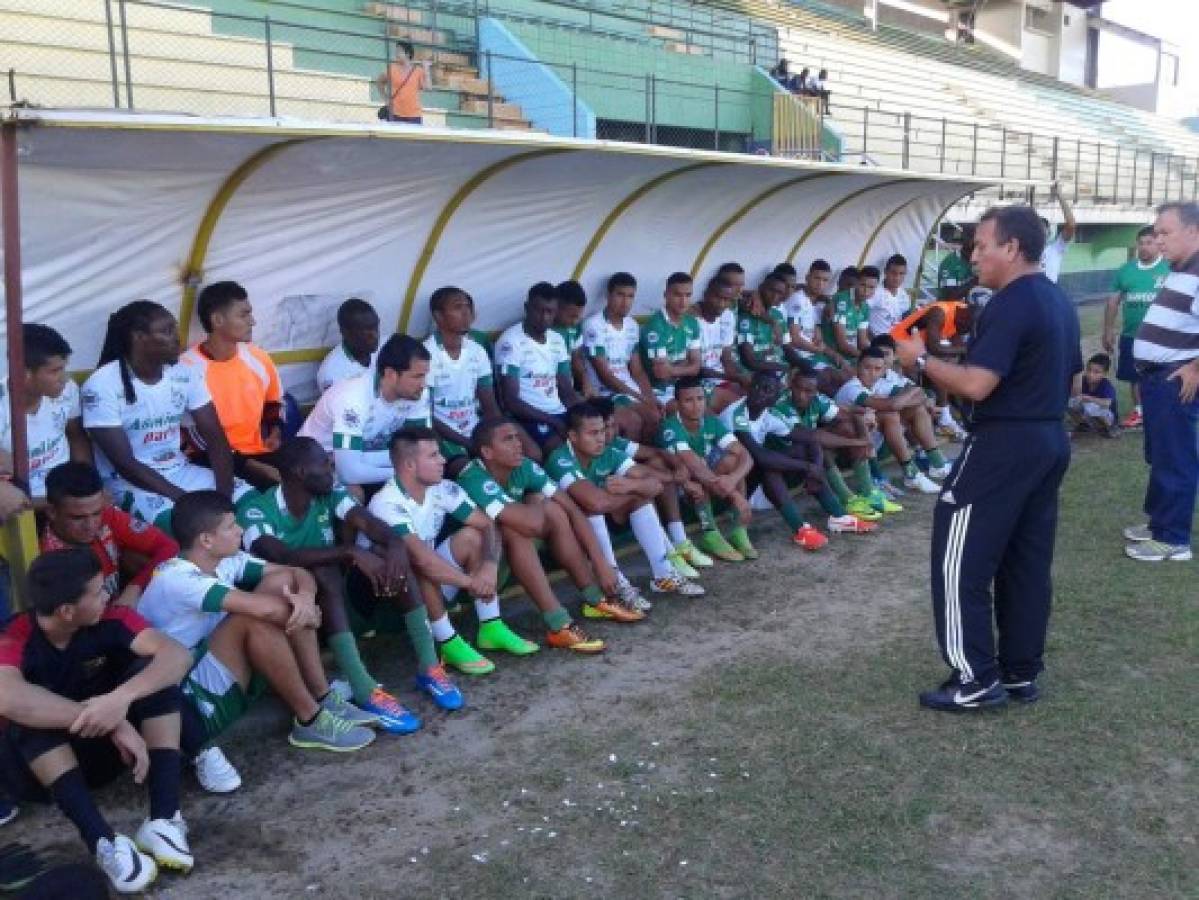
(599, 526)
(647, 528)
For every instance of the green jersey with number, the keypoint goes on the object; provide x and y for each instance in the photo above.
(491, 496)
(566, 467)
(1137, 286)
(843, 311)
(675, 437)
(663, 339)
(954, 271)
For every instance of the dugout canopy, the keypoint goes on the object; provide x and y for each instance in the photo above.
(119, 206)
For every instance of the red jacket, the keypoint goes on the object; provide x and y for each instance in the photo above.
(119, 532)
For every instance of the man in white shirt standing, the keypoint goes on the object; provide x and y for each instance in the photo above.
(890, 302)
(1055, 247)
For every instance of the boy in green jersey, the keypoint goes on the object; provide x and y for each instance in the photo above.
(294, 524)
(718, 462)
(568, 324)
(606, 483)
(527, 507)
(846, 326)
(670, 341)
(762, 331)
(955, 275)
(1136, 284)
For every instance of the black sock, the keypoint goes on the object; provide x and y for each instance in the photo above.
(73, 798)
(163, 782)
(192, 733)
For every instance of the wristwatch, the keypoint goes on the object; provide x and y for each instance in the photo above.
(921, 361)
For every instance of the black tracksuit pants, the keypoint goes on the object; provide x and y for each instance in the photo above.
(994, 525)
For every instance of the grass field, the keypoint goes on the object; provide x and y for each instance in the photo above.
(762, 742)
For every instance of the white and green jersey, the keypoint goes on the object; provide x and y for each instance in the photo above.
(152, 422)
(454, 383)
(736, 417)
(267, 515)
(45, 432)
(536, 365)
(339, 365)
(714, 338)
(799, 310)
(1138, 284)
(352, 416)
(424, 518)
(820, 411)
(491, 496)
(854, 393)
(664, 339)
(613, 344)
(185, 603)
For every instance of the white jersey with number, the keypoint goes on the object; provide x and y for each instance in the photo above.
(535, 364)
(45, 432)
(352, 416)
(152, 422)
(615, 345)
(454, 383)
(339, 365)
(886, 309)
(423, 518)
(736, 418)
(714, 338)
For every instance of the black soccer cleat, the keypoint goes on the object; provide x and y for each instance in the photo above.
(953, 696)
(1022, 691)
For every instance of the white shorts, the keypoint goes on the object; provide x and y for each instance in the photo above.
(446, 552)
(155, 508)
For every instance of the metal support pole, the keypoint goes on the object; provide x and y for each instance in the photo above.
(1028, 162)
(907, 138)
(653, 107)
(1053, 165)
(125, 50)
(974, 152)
(270, 63)
(12, 85)
(1136, 155)
(944, 141)
(1003, 152)
(112, 55)
(1098, 156)
(490, 93)
(865, 129)
(716, 117)
(475, 13)
(11, 217)
(1078, 165)
(647, 108)
(574, 99)
(1116, 184)
(1152, 167)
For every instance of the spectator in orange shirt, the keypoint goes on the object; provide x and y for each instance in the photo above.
(79, 514)
(242, 380)
(401, 86)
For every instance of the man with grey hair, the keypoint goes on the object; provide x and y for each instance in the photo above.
(996, 518)
(1166, 351)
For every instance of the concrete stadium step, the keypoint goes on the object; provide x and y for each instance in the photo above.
(395, 13)
(418, 35)
(508, 111)
(439, 57)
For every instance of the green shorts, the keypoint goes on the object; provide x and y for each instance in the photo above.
(216, 694)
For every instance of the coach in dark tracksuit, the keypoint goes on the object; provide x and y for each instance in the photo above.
(996, 517)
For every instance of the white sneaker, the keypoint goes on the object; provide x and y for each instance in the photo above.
(676, 584)
(128, 869)
(939, 471)
(166, 841)
(1137, 533)
(631, 596)
(215, 773)
(922, 483)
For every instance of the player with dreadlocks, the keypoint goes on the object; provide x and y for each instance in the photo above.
(133, 406)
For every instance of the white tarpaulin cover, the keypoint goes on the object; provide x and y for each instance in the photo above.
(120, 207)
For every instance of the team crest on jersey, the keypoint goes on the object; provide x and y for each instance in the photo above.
(138, 525)
(491, 489)
(89, 398)
(253, 513)
(178, 398)
(668, 434)
(651, 338)
(351, 418)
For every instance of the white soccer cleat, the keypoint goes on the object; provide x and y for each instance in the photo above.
(129, 870)
(939, 471)
(922, 483)
(166, 841)
(215, 773)
(631, 596)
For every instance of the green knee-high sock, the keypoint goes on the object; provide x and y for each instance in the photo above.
(837, 483)
(707, 518)
(345, 651)
(935, 458)
(909, 469)
(791, 514)
(421, 636)
(830, 502)
(556, 619)
(876, 471)
(862, 477)
(734, 518)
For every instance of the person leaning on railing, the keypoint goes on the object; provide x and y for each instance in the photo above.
(401, 85)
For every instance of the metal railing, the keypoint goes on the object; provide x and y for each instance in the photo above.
(1092, 172)
(155, 56)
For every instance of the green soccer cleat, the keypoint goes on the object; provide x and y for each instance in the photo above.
(496, 635)
(694, 558)
(462, 656)
(714, 544)
(676, 559)
(860, 507)
(739, 538)
(882, 503)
